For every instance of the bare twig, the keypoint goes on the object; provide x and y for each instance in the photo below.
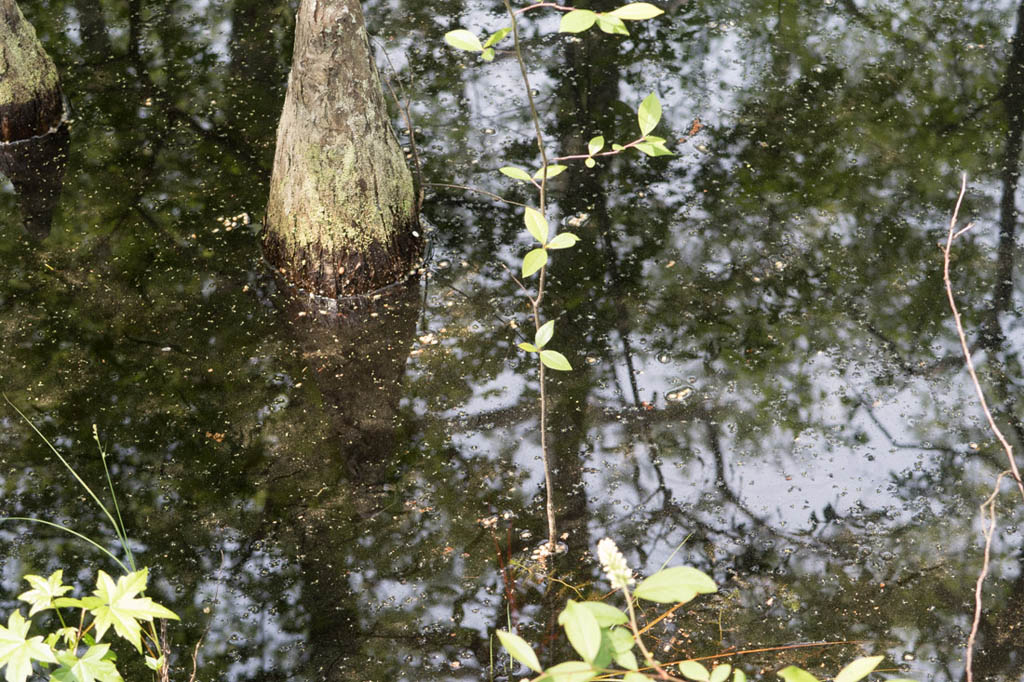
(988, 508)
(477, 190)
(952, 235)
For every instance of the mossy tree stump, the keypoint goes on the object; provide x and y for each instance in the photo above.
(341, 214)
(30, 99)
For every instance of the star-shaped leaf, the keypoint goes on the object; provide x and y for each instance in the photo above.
(44, 591)
(18, 651)
(92, 667)
(118, 606)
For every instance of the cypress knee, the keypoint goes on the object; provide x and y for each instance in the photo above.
(341, 216)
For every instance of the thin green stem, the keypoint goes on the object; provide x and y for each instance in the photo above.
(73, 473)
(68, 530)
(648, 658)
(122, 534)
(536, 301)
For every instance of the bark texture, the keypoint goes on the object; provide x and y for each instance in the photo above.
(341, 213)
(30, 100)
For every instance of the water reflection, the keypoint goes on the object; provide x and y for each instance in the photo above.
(314, 494)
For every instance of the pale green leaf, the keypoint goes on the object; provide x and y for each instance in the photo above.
(44, 591)
(656, 149)
(529, 347)
(155, 663)
(580, 625)
(694, 671)
(576, 21)
(739, 676)
(621, 640)
(68, 602)
(515, 173)
(627, 660)
(553, 170)
(555, 360)
(589, 163)
(463, 40)
(544, 334)
(606, 614)
(570, 671)
(635, 677)
(618, 147)
(519, 649)
(637, 11)
(534, 261)
(649, 113)
(595, 145)
(119, 606)
(94, 666)
(563, 241)
(654, 138)
(794, 674)
(536, 225)
(488, 54)
(676, 584)
(858, 669)
(495, 37)
(17, 650)
(612, 25)
(720, 673)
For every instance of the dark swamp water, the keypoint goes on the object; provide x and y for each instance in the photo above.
(766, 366)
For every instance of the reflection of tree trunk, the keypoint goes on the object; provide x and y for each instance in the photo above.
(1012, 96)
(33, 141)
(331, 476)
(341, 213)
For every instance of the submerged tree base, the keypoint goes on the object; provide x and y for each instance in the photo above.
(345, 271)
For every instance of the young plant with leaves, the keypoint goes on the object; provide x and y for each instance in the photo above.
(606, 638)
(537, 259)
(78, 651)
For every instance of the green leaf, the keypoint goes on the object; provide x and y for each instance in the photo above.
(637, 11)
(656, 149)
(44, 591)
(555, 360)
(580, 625)
(576, 21)
(720, 673)
(94, 666)
(589, 163)
(621, 640)
(534, 261)
(739, 676)
(858, 669)
(612, 25)
(654, 138)
(649, 113)
(794, 674)
(117, 605)
(553, 170)
(488, 54)
(536, 225)
(495, 37)
(694, 671)
(606, 614)
(529, 347)
(635, 677)
(544, 334)
(570, 671)
(155, 663)
(627, 660)
(618, 147)
(676, 584)
(18, 651)
(563, 240)
(595, 145)
(515, 173)
(518, 648)
(462, 39)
